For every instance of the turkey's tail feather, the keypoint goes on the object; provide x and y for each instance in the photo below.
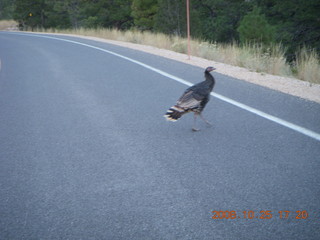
(174, 113)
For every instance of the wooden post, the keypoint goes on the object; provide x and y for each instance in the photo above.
(188, 28)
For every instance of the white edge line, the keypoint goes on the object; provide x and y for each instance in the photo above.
(277, 120)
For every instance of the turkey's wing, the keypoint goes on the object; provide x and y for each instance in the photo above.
(189, 100)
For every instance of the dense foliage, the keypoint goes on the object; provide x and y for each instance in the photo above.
(294, 23)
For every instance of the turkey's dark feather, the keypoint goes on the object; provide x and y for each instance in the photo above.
(197, 96)
(194, 99)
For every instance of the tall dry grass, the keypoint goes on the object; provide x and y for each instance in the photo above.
(8, 25)
(252, 56)
(307, 66)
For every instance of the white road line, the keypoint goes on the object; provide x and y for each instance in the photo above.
(262, 114)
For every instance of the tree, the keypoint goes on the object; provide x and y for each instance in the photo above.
(219, 19)
(64, 13)
(57, 15)
(107, 13)
(170, 18)
(255, 28)
(297, 23)
(30, 13)
(300, 25)
(143, 13)
(6, 9)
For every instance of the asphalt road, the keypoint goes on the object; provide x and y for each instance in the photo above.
(85, 152)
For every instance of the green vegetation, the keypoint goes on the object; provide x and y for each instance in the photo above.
(239, 32)
(143, 13)
(6, 9)
(254, 27)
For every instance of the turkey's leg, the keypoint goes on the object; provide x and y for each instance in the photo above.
(194, 122)
(205, 120)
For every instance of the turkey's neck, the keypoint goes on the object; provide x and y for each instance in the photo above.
(209, 77)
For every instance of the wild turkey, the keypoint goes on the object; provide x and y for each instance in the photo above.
(194, 99)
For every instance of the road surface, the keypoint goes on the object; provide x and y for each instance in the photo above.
(85, 152)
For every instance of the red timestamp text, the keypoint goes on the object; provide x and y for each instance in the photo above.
(263, 214)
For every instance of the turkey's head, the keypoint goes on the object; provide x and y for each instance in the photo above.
(209, 69)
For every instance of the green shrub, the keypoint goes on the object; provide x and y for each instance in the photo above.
(255, 28)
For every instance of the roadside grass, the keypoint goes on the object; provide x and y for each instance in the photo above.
(307, 66)
(254, 57)
(8, 24)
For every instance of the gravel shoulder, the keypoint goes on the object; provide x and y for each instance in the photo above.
(286, 85)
